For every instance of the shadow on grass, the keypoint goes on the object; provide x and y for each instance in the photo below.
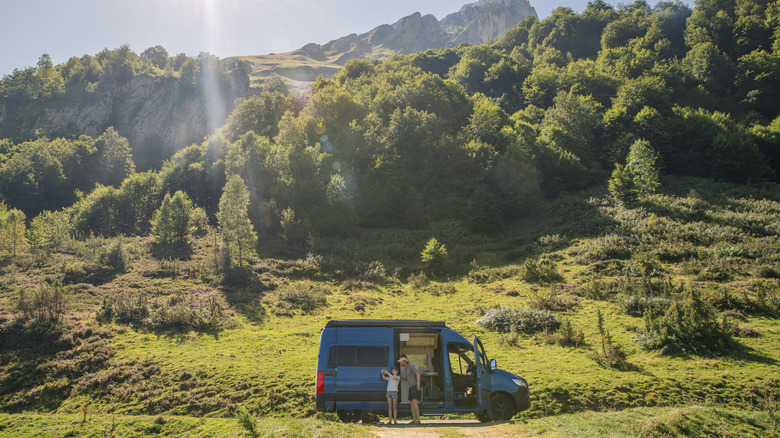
(243, 289)
(737, 352)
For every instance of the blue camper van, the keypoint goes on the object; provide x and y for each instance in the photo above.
(456, 375)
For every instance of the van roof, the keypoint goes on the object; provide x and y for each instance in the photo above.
(383, 323)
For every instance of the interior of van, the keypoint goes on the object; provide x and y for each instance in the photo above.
(425, 350)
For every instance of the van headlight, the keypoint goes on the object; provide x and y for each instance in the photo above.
(521, 383)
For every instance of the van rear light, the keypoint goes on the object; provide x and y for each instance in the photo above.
(320, 382)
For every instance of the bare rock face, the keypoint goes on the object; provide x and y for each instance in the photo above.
(151, 112)
(476, 23)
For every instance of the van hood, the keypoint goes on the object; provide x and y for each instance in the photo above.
(509, 375)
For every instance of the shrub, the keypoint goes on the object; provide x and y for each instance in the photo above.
(485, 275)
(434, 255)
(637, 305)
(542, 271)
(46, 303)
(611, 354)
(513, 320)
(305, 296)
(177, 313)
(440, 289)
(115, 257)
(550, 242)
(607, 247)
(554, 299)
(417, 281)
(688, 325)
(568, 336)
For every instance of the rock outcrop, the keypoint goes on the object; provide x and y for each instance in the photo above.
(156, 114)
(475, 23)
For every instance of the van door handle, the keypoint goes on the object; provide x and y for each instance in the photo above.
(330, 373)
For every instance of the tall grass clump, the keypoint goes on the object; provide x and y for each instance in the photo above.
(513, 320)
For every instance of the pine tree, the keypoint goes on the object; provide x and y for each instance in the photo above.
(622, 186)
(161, 223)
(642, 162)
(12, 230)
(233, 218)
(181, 215)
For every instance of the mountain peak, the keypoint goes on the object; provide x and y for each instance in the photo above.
(475, 23)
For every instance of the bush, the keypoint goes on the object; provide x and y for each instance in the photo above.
(115, 257)
(46, 303)
(417, 281)
(542, 271)
(554, 300)
(485, 275)
(568, 336)
(177, 313)
(512, 320)
(305, 296)
(611, 354)
(550, 242)
(688, 325)
(637, 305)
(434, 255)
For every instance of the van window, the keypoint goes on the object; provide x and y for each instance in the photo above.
(357, 356)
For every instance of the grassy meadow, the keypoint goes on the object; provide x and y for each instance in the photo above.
(168, 341)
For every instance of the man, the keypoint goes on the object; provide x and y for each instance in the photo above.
(413, 378)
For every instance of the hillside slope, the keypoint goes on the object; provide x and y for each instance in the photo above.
(172, 334)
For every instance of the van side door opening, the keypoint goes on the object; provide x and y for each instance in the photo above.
(424, 350)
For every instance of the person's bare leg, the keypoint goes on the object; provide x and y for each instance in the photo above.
(415, 411)
(389, 410)
(395, 411)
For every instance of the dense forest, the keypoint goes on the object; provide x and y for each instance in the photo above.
(475, 133)
(552, 106)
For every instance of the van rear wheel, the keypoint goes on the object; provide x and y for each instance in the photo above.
(349, 416)
(501, 408)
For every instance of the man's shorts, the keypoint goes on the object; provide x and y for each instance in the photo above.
(414, 394)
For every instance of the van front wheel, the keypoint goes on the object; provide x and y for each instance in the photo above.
(349, 416)
(501, 408)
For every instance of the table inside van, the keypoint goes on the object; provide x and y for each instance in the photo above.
(428, 376)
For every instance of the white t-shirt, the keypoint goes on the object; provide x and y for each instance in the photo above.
(392, 383)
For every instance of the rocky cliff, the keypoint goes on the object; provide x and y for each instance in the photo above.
(155, 113)
(475, 23)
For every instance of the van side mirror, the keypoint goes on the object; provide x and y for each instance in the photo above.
(493, 365)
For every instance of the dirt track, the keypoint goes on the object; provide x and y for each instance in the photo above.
(445, 428)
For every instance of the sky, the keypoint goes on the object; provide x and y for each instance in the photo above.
(66, 28)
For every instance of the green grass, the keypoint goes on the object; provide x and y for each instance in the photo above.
(40, 425)
(690, 421)
(720, 239)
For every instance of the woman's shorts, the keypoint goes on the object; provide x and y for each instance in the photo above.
(392, 394)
